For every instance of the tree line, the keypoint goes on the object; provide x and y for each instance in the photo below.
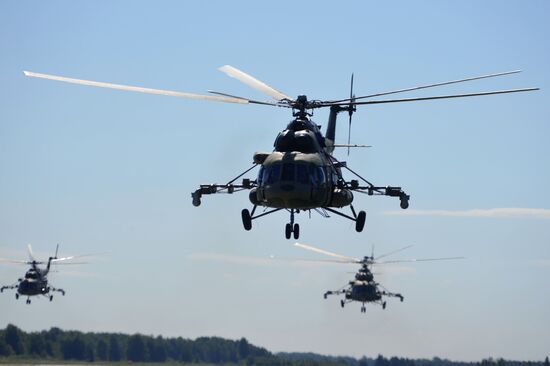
(57, 344)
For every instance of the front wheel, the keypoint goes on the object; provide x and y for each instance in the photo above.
(360, 221)
(247, 219)
(296, 231)
(288, 231)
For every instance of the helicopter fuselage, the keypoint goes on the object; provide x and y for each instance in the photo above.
(299, 174)
(29, 287)
(34, 282)
(298, 180)
(363, 291)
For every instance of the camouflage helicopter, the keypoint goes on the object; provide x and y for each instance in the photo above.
(301, 174)
(35, 281)
(363, 288)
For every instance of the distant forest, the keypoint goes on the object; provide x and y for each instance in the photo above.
(59, 345)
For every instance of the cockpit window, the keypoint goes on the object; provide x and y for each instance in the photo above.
(31, 275)
(292, 172)
(288, 172)
(302, 173)
(273, 173)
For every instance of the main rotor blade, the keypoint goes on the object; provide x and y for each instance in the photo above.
(350, 145)
(31, 255)
(101, 84)
(254, 83)
(326, 252)
(436, 97)
(64, 259)
(251, 101)
(419, 260)
(13, 261)
(392, 252)
(431, 85)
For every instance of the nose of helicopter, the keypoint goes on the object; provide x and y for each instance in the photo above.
(288, 194)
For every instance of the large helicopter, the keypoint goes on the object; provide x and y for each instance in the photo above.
(35, 281)
(301, 174)
(363, 288)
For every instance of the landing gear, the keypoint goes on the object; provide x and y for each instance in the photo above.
(16, 296)
(404, 201)
(342, 303)
(291, 227)
(28, 301)
(383, 305)
(363, 309)
(288, 231)
(360, 221)
(247, 219)
(51, 298)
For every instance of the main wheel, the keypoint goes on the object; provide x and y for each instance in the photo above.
(404, 203)
(288, 231)
(342, 303)
(296, 231)
(16, 296)
(360, 221)
(247, 219)
(383, 305)
(28, 301)
(51, 297)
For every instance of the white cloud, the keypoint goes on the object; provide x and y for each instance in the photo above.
(389, 269)
(544, 263)
(258, 261)
(512, 212)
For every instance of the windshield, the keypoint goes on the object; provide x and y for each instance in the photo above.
(303, 173)
(288, 172)
(31, 274)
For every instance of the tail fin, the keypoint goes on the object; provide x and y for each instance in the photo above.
(331, 126)
(54, 257)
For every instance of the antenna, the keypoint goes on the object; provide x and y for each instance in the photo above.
(351, 108)
(372, 252)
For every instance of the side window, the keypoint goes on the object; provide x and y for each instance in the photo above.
(261, 175)
(321, 174)
(288, 172)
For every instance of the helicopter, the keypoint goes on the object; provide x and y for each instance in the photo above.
(35, 281)
(363, 288)
(301, 173)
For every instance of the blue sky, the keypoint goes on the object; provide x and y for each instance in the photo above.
(99, 170)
